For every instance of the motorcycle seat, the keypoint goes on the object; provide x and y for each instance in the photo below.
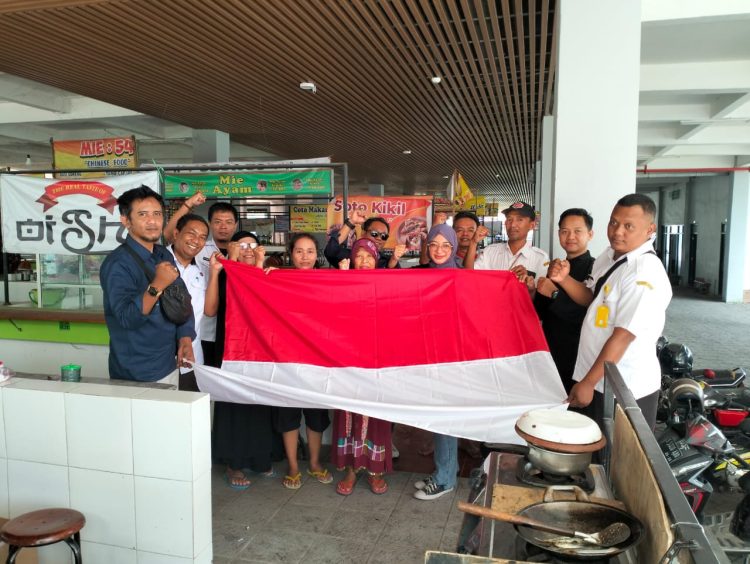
(720, 378)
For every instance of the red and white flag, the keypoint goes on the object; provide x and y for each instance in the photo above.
(455, 352)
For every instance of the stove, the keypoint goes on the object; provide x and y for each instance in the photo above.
(496, 539)
(527, 473)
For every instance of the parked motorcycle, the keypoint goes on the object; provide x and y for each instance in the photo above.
(699, 454)
(676, 361)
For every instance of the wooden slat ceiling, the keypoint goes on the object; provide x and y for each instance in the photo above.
(236, 65)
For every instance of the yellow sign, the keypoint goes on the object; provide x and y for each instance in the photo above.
(478, 205)
(93, 154)
(310, 219)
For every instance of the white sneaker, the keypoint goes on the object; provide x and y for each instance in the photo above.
(432, 491)
(422, 484)
(394, 451)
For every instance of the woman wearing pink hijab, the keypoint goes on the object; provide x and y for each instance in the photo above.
(361, 442)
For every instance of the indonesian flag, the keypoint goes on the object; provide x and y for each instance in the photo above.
(455, 352)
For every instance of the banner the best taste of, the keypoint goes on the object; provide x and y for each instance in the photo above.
(67, 217)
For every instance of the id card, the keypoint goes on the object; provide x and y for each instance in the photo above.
(602, 316)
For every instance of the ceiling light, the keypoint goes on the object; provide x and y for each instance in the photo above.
(406, 151)
(446, 176)
(497, 176)
(309, 86)
(436, 79)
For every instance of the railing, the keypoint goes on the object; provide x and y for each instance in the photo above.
(689, 533)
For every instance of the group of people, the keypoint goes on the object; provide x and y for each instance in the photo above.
(611, 308)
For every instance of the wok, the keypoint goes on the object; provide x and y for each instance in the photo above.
(581, 515)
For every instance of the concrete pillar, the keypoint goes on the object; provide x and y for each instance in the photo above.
(596, 108)
(736, 259)
(547, 229)
(210, 146)
(376, 190)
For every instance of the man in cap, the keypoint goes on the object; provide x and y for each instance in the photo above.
(517, 254)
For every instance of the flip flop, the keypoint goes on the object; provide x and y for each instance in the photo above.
(323, 476)
(345, 488)
(237, 475)
(292, 482)
(377, 484)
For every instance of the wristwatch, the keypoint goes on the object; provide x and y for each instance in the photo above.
(154, 292)
(349, 224)
(554, 294)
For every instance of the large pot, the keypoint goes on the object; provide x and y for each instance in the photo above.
(583, 516)
(558, 463)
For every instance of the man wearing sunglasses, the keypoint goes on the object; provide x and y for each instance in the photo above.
(375, 229)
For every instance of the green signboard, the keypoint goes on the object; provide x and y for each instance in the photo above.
(250, 184)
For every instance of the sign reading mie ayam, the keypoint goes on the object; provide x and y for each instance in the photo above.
(249, 184)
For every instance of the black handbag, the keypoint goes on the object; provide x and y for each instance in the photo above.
(175, 301)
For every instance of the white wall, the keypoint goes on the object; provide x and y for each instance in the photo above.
(709, 207)
(25, 356)
(135, 461)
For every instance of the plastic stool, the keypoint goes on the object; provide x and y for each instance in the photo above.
(43, 527)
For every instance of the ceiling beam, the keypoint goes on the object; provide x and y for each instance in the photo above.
(28, 93)
(721, 77)
(80, 109)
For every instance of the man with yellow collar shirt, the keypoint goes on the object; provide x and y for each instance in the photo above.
(627, 298)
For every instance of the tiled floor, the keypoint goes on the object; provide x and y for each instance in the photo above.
(267, 523)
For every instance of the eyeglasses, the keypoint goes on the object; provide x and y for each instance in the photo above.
(376, 234)
(447, 247)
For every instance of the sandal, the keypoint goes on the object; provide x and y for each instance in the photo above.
(323, 476)
(292, 482)
(346, 488)
(236, 479)
(377, 484)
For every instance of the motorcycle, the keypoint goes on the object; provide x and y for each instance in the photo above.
(727, 400)
(699, 454)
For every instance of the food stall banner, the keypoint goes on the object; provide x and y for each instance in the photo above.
(407, 216)
(438, 357)
(258, 183)
(65, 217)
(308, 218)
(109, 152)
(476, 204)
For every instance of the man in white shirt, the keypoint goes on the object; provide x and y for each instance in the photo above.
(190, 234)
(627, 297)
(517, 255)
(223, 219)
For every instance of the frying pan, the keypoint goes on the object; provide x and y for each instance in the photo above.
(581, 515)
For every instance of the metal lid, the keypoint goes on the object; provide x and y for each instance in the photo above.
(556, 426)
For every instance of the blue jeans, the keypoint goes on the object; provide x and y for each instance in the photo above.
(446, 460)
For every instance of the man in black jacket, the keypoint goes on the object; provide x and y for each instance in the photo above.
(375, 229)
(561, 317)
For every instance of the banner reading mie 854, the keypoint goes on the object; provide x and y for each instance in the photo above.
(67, 217)
(249, 184)
(110, 152)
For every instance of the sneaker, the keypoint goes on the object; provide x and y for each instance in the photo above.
(432, 491)
(422, 484)
(394, 451)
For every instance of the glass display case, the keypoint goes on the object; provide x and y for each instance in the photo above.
(68, 282)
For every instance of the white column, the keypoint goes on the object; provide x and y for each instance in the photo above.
(596, 108)
(737, 278)
(210, 146)
(548, 219)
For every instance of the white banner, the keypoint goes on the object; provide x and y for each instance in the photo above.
(66, 217)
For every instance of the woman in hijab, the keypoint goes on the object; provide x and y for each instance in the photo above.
(442, 245)
(360, 442)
